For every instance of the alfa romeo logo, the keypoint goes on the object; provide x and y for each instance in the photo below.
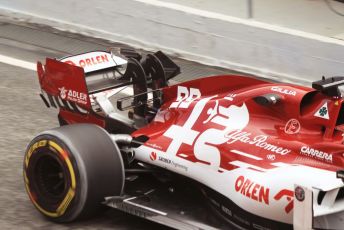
(299, 193)
(292, 127)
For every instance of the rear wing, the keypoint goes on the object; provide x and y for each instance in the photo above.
(64, 81)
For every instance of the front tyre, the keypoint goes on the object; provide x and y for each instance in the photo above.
(69, 170)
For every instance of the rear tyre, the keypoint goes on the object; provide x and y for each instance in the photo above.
(69, 170)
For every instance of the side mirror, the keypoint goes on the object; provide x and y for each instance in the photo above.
(267, 99)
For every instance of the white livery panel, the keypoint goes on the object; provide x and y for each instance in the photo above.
(94, 61)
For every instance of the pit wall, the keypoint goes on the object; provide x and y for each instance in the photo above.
(210, 38)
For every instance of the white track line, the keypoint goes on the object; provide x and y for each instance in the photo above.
(223, 17)
(32, 66)
(18, 62)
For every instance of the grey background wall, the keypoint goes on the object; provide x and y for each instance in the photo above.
(207, 37)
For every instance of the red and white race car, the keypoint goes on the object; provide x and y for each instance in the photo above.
(204, 154)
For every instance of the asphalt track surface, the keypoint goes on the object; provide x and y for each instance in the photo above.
(23, 115)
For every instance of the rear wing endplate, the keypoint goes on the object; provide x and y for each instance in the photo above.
(64, 85)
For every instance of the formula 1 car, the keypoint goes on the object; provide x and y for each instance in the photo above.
(210, 153)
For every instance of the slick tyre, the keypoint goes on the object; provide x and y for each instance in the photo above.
(69, 170)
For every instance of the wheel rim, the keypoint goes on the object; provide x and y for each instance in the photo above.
(51, 179)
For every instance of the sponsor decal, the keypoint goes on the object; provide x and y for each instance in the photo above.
(299, 193)
(289, 195)
(165, 160)
(152, 156)
(93, 61)
(223, 208)
(242, 220)
(258, 141)
(271, 157)
(292, 127)
(89, 61)
(323, 112)
(185, 97)
(226, 210)
(252, 190)
(73, 95)
(35, 146)
(205, 143)
(317, 154)
(283, 90)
